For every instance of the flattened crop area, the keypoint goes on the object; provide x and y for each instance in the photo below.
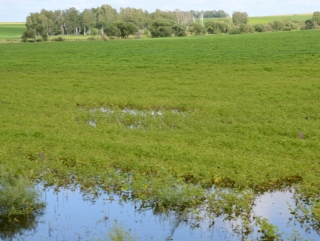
(161, 115)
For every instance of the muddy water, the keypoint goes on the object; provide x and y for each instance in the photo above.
(72, 216)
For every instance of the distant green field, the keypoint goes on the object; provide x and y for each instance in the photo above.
(268, 19)
(11, 31)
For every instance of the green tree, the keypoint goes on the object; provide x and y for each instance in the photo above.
(197, 29)
(316, 17)
(179, 30)
(88, 20)
(126, 29)
(216, 27)
(135, 16)
(239, 17)
(106, 15)
(111, 30)
(277, 25)
(310, 24)
(161, 28)
(29, 34)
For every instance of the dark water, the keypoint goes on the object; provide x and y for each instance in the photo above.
(71, 216)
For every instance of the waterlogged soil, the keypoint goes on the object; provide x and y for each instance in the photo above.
(135, 118)
(73, 215)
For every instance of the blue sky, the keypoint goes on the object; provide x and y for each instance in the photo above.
(18, 10)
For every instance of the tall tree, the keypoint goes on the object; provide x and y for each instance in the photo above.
(88, 20)
(106, 15)
(135, 16)
(239, 17)
(71, 21)
(316, 17)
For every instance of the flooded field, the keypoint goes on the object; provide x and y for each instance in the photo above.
(73, 215)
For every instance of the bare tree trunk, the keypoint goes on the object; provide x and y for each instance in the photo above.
(84, 30)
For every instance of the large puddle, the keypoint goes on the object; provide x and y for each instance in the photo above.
(71, 215)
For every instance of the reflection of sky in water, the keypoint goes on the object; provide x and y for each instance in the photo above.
(68, 217)
(275, 207)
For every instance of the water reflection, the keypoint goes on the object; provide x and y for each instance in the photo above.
(71, 216)
(9, 229)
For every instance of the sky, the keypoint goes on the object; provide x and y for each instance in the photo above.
(18, 10)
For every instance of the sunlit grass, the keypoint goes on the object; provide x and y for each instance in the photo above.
(268, 19)
(250, 103)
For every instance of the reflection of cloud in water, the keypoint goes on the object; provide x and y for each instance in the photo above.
(69, 217)
(275, 207)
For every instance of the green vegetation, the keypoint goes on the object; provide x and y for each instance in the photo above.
(18, 198)
(234, 111)
(268, 19)
(11, 31)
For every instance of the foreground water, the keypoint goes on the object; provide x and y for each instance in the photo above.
(71, 215)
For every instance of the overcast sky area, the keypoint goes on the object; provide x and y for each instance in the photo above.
(18, 10)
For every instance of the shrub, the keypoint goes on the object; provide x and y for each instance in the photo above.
(58, 39)
(179, 30)
(161, 28)
(277, 25)
(94, 31)
(235, 30)
(92, 38)
(310, 24)
(286, 28)
(197, 29)
(259, 28)
(18, 198)
(119, 233)
(246, 28)
(29, 34)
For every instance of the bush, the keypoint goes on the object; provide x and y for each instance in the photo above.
(310, 24)
(179, 30)
(277, 25)
(246, 28)
(29, 34)
(235, 30)
(197, 29)
(58, 39)
(92, 38)
(259, 28)
(286, 28)
(18, 198)
(161, 28)
(94, 31)
(44, 36)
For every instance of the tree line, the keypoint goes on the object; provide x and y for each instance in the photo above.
(106, 20)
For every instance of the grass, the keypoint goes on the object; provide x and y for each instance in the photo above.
(18, 198)
(243, 100)
(268, 19)
(11, 31)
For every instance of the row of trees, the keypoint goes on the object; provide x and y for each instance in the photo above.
(72, 21)
(129, 21)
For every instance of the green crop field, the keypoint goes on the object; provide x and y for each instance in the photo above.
(268, 19)
(166, 118)
(11, 31)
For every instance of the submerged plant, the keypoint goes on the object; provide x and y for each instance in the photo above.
(119, 233)
(18, 199)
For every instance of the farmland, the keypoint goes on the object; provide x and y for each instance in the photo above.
(11, 31)
(157, 116)
(268, 19)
